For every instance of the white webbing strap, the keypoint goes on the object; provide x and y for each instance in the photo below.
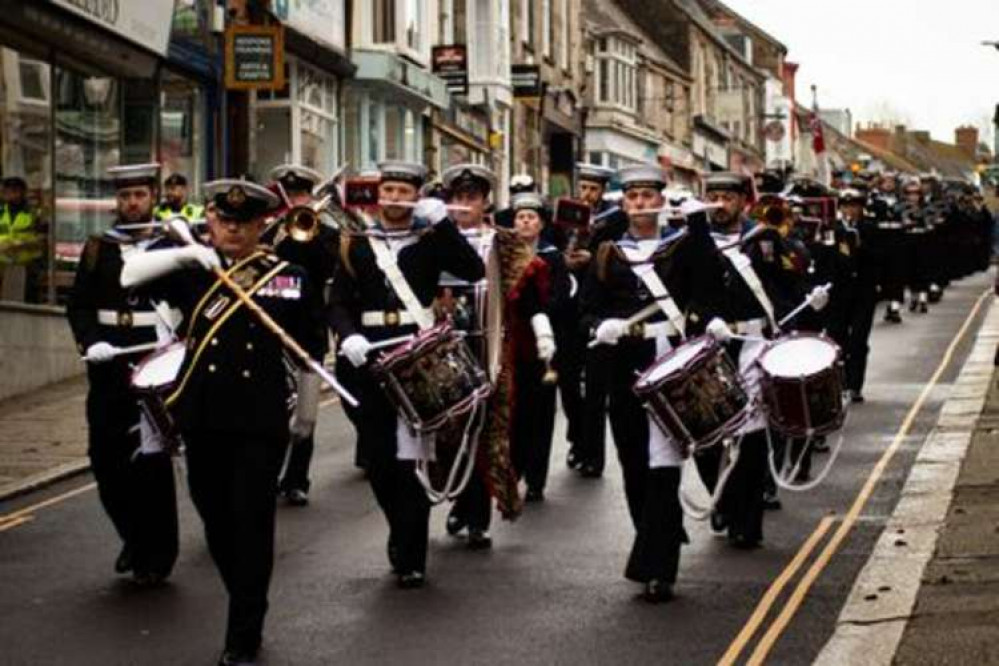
(386, 260)
(744, 267)
(645, 271)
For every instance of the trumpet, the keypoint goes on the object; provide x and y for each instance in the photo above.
(301, 223)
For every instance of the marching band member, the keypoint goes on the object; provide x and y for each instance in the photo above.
(470, 186)
(607, 223)
(542, 291)
(383, 288)
(917, 218)
(136, 488)
(234, 454)
(760, 279)
(615, 289)
(317, 254)
(892, 243)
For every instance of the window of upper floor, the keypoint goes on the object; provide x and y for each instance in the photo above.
(402, 24)
(617, 74)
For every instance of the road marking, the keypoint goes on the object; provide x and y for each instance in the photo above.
(762, 608)
(16, 516)
(818, 566)
(10, 524)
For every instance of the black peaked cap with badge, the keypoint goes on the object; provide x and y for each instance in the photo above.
(468, 176)
(296, 177)
(240, 200)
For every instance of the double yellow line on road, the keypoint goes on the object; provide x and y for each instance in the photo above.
(797, 597)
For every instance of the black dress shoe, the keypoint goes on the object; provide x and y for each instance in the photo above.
(296, 496)
(742, 542)
(455, 523)
(913, 305)
(857, 397)
(412, 580)
(893, 317)
(123, 563)
(393, 556)
(923, 308)
(588, 471)
(820, 445)
(572, 461)
(657, 591)
(238, 658)
(534, 495)
(148, 579)
(479, 539)
(771, 502)
(718, 521)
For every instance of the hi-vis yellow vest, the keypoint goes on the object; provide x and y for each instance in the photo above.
(19, 241)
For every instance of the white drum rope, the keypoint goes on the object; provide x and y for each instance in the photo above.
(468, 450)
(784, 481)
(698, 512)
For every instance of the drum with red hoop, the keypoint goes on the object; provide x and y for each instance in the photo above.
(153, 379)
(432, 379)
(802, 385)
(694, 394)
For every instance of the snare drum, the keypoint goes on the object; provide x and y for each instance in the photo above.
(802, 385)
(694, 394)
(432, 379)
(152, 380)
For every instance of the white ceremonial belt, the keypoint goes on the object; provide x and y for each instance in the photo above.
(918, 230)
(890, 225)
(651, 331)
(374, 318)
(127, 318)
(749, 327)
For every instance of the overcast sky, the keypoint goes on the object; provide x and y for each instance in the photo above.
(917, 60)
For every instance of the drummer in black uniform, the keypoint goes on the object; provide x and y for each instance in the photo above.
(312, 246)
(607, 223)
(234, 453)
(470, 186)
(136, 488)
(366, 306)
(650, 461)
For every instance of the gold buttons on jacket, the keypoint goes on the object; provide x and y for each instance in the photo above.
(249, 346)
(211, 367)
(246, 374)
(215, 342)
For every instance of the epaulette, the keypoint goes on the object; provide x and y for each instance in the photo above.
(604, 251)
(345, 254)
(91, 251)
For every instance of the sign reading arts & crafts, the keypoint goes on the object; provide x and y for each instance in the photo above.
(254, 57)
(143, 22)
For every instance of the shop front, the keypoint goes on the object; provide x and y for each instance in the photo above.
(80, 93)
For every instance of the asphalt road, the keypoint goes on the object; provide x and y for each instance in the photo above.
(550, 592)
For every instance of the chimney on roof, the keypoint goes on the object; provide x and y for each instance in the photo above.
(922, 136)
(966, 138)
(879, 137)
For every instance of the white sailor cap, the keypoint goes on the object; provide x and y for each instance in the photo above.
(131, 175)
(296, 176)
(852, 195)
(594, 173)
(642, 175)
(239, 200)
(527, 201)
(728, 181)
(465, 175)
(521, 182)
(406, 172)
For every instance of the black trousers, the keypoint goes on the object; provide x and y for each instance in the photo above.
(655, 554)
(895, 268)
(857, 347)
(629, 422)
(233, 477)
(595, 396)
(136, 491)
(742, 500)
(397, 490)
(569, 361)
(533, 424)
(296, 471)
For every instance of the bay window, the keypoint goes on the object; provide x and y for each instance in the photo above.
(617, 73)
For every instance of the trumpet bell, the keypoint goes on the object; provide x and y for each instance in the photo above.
(301, 224)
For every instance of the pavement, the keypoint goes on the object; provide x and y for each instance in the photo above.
(550, 592)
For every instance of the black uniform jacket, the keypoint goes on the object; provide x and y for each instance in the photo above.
(359, 285)
(235, 376)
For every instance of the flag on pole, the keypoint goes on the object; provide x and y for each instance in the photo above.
(818, 141)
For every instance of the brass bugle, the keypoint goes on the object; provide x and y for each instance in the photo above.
(301, 223)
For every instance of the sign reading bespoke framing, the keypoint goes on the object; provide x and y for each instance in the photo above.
(254, 57)
(146, 23)
(526, 80)
(450, 63)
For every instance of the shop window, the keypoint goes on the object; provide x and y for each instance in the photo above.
(617, 69)
(182, 127)
(25, 152)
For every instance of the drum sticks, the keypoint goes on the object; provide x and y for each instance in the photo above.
(134, 349)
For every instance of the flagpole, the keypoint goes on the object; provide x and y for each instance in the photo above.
(818, 141)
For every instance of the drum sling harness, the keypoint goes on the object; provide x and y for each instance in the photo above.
(386, 260)
(644, 270)
(744, 267)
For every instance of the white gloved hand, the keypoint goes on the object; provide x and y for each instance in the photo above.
(818, 298)
(719, 330)
(693, 207)
(201, 255)
(430, 209)
(101, 352)
(356, 348)
(610, 331)
(546, 349)
(544, 336)
(180, 228)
